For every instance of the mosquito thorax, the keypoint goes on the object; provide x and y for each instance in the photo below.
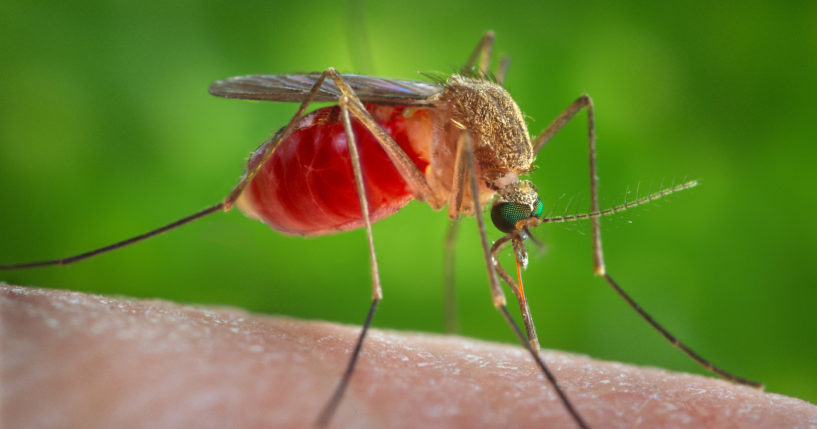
(516, 202)
(494, 121)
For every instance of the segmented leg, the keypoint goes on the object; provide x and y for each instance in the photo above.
(450, 314)
(349, 103)
(377, 291)
(496, 291)
(554, 127)
(502, 72)
(458, 183)
(118, 245)
(415, 179)
(481, 53)
(481, 57)
(598, 255)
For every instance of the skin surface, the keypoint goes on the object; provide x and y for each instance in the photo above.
(70, 360)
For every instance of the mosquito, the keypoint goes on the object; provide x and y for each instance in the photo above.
(458, 140)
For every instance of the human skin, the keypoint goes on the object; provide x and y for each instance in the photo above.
(69, 359)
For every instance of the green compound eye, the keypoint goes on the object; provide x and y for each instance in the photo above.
(538, 208)
(505, 215)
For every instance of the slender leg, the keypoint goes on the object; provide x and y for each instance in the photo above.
(675, 342)
(407, 169)
(377, 291)
(481, 57)
(598, 254)
(502, 72)
(557, 124)
(560, 121)
(452, 324)
(349, 102)
(332, 405)
(496, 291)
(458, 184)
(118, 245)
(468, 158)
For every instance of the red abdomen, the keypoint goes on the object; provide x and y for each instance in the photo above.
(308, 185)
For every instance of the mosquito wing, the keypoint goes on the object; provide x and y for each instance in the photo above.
(295, 87)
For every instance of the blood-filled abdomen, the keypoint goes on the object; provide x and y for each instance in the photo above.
(308, 187)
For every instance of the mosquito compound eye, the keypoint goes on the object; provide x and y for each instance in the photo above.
(506, 215)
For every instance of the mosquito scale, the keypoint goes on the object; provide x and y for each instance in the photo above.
(457, 142)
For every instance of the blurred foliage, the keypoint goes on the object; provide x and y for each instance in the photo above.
(107, 130)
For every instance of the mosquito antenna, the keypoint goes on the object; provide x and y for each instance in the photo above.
(117, 245)
(620, 208)
(502, 72)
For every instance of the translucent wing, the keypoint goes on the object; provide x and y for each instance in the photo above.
(295, 87)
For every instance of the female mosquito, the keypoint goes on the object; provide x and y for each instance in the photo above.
(459, 140)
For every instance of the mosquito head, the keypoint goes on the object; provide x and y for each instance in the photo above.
(516, 201)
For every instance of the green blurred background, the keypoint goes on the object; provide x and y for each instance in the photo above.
(107, 130)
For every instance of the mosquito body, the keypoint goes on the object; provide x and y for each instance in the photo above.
(460, 141)
(308, 184)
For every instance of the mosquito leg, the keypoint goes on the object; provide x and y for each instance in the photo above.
(458, 184)
(407, 169)
(598, 255)
(502, 72)
(332, 405)
(496, 291)
(675, 342)
(377, 290)
(557, 124)
(481, 57)
(127, 242)
(452, 324)
(517, 290)
(560, 121)
(455, 199)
